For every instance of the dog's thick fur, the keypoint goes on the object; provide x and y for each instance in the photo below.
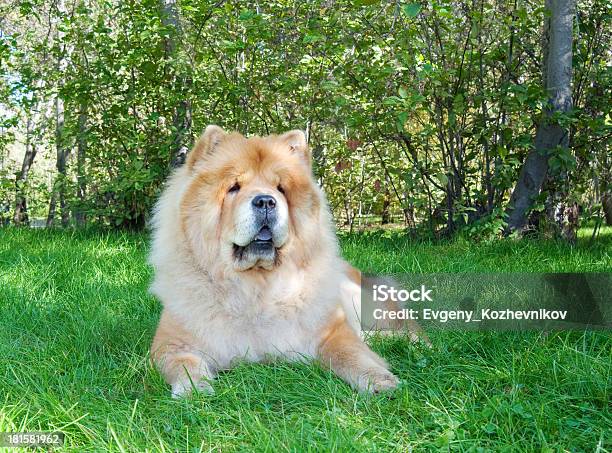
(224, 299)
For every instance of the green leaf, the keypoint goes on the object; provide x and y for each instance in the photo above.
(412, 9)
(308, 38)
(340, 101)
(392, 100)
(401, 120)
(442, 178)
(428, 67)
(246, 15)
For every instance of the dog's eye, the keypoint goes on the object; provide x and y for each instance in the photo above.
(280, 189)
(234, 188)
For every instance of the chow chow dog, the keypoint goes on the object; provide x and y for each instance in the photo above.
(247, 267)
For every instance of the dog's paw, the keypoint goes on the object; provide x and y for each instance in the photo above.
(376, 380)
(184, 389)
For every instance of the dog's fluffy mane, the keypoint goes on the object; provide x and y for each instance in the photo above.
(190, 270)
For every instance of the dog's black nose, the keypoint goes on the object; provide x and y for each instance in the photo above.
(264, 202)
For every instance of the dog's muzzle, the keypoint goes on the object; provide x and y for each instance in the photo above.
(262, 246)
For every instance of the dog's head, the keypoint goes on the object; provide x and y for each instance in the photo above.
(251, 202)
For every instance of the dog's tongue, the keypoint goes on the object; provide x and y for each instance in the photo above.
(264, 234)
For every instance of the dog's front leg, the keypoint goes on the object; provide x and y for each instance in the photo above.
(182, 364)
(349, 357)
(184, 370)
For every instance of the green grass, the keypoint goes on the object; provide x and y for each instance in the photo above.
(76, 322)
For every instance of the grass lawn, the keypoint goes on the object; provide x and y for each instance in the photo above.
(76, 322)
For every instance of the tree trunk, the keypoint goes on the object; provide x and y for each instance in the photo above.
(385, 215)
(62, 152)
(20, 216)
(52, 208)
(81, 152)
(182, 125)
(182, 112)
(549, 135)
(606, 202)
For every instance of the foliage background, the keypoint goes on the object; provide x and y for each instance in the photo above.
(418, 114)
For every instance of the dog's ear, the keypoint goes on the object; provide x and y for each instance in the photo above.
(296, 140)
(206, 144)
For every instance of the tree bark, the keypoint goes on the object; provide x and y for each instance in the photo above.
(549, 134)
(182, 138)
(606, 202)
(182, 112)
(20, 216)
(62, 152)
(385, 215)
(52, 208)
(81, 153)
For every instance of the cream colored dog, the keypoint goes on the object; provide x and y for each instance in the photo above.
(247, 267)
